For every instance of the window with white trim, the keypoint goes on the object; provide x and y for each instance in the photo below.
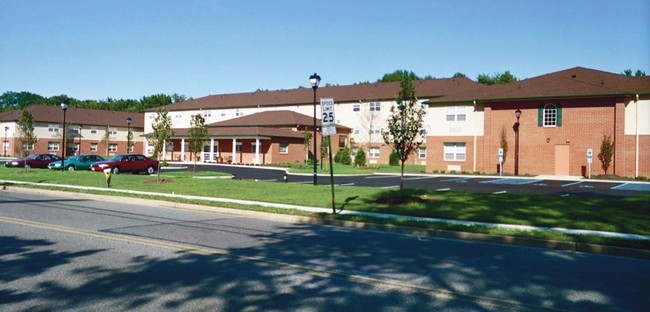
(112, 131)
(93, 147)
(284, 148)
(53, 129)
(207, 114)
(28, 147)
(93, 130)
(550, 115)
(422, 152)
(375, 129)
(238, 147)
(253, 147)
(454, 151)
(375, 106)
(356, 107)
(455, 113)
(373, 152)
(112, 148)
(53, 146)
(239, 112)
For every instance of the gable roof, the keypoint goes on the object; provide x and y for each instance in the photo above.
(243, 132)
(569, 83)
(84, 116)
(280, 118)
(425, 89)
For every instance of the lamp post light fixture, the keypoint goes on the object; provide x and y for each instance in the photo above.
(516, 127)
(4, 143)
(128, 134)
(314, 80)
(64, 106)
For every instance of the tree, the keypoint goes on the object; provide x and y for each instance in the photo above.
(398, 75)
(404, 131)
(26, 136)
(459, 75)
(162, 131)
(496, 78)
(606, 153)
(198, 135)
(638, 73)
(106, 139)
(360, 158)
(306, 136)
(504, 144)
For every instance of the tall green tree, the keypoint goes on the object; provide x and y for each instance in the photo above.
(198, 134)
(606, 153)
(26, 136)
(404, 131)
(496, 78)
(162, 131)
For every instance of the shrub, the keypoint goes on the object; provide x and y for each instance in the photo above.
(360, 158)
(343, 156)
(393, 159)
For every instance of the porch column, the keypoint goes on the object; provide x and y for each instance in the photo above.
(164, 150)
(211, 150)
(183, 149)
(257, 151)
(234, 151)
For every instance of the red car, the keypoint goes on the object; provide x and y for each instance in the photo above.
(33, 161)
(127, 163)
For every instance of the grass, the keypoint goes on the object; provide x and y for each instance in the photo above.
(624, 215)
(298, 167)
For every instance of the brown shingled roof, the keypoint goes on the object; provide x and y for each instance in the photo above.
(84, 116)
(282, 118)
(248, 131)
(425, 89)
(574, 82)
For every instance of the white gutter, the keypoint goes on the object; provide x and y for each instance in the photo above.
(636, 130)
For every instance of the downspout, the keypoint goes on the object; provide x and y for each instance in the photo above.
(636, 134)
(474, 157)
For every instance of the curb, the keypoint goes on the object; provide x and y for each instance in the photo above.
(487, 238)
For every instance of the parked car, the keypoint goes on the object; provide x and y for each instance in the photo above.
(127, 163)
(79, 162)
(33, 161)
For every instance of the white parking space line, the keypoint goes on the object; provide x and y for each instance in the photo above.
(418, 178)
(443, 189)
(619, 186)
(500, 192)
(391, 186)
(382, 177)
(643, 187)
(573, 183)
(460, 180)
(345, 184)
(512, 181)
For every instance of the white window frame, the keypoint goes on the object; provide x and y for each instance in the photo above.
(455, 151)
(28, 147)
(112, 132)
(207, 113)
(422, 152)
(93, 130)
(239, 148)
(373, 152)
(112, 148)
(54, 129)
(375, 106)
(549, 114)
(239, 112)
(375, 129)
(53, 146)
(455, 113)
(356, 107)
(284, 148)
(93, 147)
(253, 147)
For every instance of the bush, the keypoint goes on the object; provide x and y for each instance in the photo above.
(343, 156)
(393, 159)
(360, 158)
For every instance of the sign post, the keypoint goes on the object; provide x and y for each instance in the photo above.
(590, 157)
(328, 123)
(500, 161)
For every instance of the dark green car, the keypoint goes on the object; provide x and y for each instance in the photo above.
(79, 162)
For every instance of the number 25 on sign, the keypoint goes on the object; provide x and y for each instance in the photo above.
(327, 112)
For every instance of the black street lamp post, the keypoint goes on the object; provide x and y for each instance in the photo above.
(314, 80)
(128, 134)
(64, 106)
(4, 143)
(516, 127)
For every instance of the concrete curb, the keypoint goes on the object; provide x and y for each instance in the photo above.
(282, 217)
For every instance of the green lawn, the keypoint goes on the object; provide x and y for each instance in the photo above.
(349, 169)
(627, 215)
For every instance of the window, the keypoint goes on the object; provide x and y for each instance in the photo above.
(93, 147)
(284, 148)
(375, 129)
(549, 115)
(373, 152)
(342, 140)
(93, 130)
(5, 146)
(239, 112)
(112, 148)
(356, 107)
(455, 113)
(112, 131)
(52, 146)
(356, 130)
(375, 106)
(238, 147)
(454, 151)
(178, 116)
(53, 129)
(422, 153)
(28, 147)
(253, 147)
(207, 114)
(223, 114)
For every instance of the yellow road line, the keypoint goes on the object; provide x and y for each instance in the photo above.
(324, 273)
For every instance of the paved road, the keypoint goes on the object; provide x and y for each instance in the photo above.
(497, 185)
(76, 254)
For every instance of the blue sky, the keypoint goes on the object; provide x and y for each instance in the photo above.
(94, 49)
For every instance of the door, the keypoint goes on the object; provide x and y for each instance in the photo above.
(562, 160)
